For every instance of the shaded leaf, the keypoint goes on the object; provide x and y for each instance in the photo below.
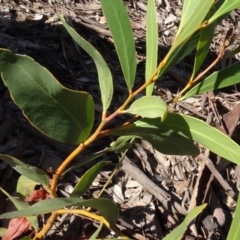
(86, 180)
(151, 44)
(33, 173)
(120, 27)
(167, 134)
(104, 73)
(163, 139)
(178, 232)
(205, 40)
(179, 53)
(20, 205)
(121, 144)
(25, 186)
(61, 113)
(107, 208)
(149, 107)
(223, 78)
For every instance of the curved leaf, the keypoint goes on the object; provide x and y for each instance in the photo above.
(107, 208)
(120, 27)
(104, 73)
(178, 232)
(61, 113)
(86, 180)
(199, 131)
(33, 173)
(163, 139)
(226, 7)
(223, 78)
(193, 14)
(234, 231)
(151, 44)
(149, 107)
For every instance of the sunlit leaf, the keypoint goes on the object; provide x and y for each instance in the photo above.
(223, 78)
(104, 74)
(33, 173)
(61, 113)
(107, 208)
(178, 232)
(120, 27)
(193, 14)
(86, 180)
(151, 43)
(234, 231)
(226, 7)
(149, 106)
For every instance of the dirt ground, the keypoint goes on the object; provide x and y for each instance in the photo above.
(33, 28)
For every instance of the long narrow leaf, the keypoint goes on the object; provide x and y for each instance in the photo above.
(151, 44)
(87, 179)
(234, 231)
(106, 207)
(226, 7)
(104, 74)
(120, 27)
(31, 172)
(223, 78)
(178, 232)
(21, 205)
(160, 133)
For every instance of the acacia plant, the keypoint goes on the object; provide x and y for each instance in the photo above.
(68, 116)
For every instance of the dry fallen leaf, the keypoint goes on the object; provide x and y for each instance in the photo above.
(17, 226)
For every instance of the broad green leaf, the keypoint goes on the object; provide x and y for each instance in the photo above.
(226, 7)
(33, 173)
(234, 231)
(178, 232)
(107, 208)
(104, 74)
(86, 180)
(25, 186)
(120, 27)
(20, 205)
(223, 78)
(164, 139)
(61, 113)
(151, 44)
(149, 107)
